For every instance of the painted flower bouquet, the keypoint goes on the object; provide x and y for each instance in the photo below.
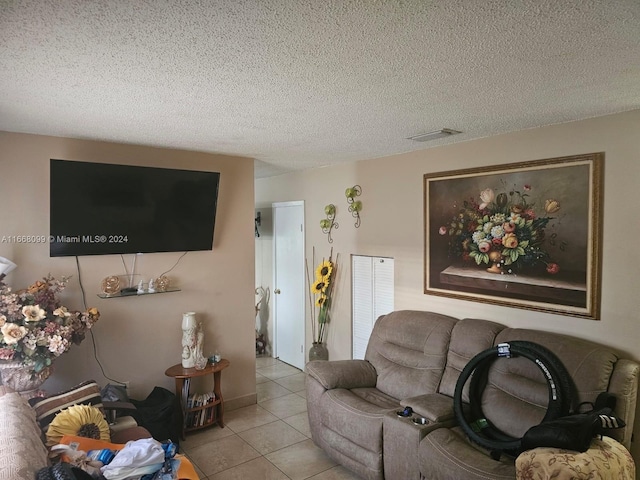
(35, 328)
(320, 296)
(505, 231)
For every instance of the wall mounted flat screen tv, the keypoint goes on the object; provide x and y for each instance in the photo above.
(101, 209)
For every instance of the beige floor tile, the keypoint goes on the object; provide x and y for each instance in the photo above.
(206, 435)
(295, 383)
(336, 473)
(277, 371)
(248, 417)
(265, 361)
(195, 467)
(258, 469)
(261, 379)
(301, 460)
(220, 455)
(268, 390)
(300, 422)
(271, 437)
(285, 406)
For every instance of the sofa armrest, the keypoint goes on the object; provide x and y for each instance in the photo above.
(343, 373)
(4, 390)
(118, 406)
(432, 406)
(114, 410)
(624, 385)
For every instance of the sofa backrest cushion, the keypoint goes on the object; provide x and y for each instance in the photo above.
(409, 350)
(516, 395)
(468, 338)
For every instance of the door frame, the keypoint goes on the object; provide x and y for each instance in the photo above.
(274, 207)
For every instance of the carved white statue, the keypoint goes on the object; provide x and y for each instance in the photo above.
(189, 339)
(201, 360)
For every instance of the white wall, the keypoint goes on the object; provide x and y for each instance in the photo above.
(392, 224)
(138, 338)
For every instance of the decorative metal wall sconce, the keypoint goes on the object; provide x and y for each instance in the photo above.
(329, 223)
(258, 222)
(354, 205)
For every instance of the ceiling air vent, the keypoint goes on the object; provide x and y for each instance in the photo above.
(425, 137)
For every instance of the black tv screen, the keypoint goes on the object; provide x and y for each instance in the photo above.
(101, 209)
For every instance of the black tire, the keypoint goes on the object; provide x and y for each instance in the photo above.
(487, 435)
(560, 390)
(566, 388)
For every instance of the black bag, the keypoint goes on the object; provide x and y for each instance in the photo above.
(575, 432)
(62, 471)
(158, 413)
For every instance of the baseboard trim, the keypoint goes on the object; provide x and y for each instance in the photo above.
(240, 402)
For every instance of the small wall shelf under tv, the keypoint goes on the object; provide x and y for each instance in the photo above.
(135, 294)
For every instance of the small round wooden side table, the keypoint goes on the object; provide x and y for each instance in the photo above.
(192, 414)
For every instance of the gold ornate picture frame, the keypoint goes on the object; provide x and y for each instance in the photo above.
(525, 235)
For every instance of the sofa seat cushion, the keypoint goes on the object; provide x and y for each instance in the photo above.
(376, 397)
(446, 453)
(357, 414)
(22, 452)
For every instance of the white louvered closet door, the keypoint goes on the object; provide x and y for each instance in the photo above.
(372, 295)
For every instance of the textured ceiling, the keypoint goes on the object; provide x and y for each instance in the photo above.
(302, 84)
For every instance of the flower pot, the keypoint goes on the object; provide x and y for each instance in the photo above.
(21, 379)
(318, 352)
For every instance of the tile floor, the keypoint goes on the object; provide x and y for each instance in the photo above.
(267, 441)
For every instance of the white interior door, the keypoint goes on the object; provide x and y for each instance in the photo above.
(289, 282)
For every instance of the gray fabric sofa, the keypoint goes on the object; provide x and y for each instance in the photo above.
(414, 358)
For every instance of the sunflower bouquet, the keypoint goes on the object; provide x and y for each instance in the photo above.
(321, 290)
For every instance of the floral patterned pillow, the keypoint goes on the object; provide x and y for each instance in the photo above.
(606, 459)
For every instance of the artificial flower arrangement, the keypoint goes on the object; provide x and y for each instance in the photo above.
(320, 296)
(35, 328)
(503, 230)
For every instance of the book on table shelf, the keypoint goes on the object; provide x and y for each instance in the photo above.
(185, 390)
(196, 418)
(185, 397)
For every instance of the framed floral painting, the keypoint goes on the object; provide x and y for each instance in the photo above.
(525, 235)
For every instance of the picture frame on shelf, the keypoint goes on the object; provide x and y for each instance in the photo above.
(525, 235)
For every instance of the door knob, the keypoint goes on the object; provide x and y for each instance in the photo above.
(277, 291)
